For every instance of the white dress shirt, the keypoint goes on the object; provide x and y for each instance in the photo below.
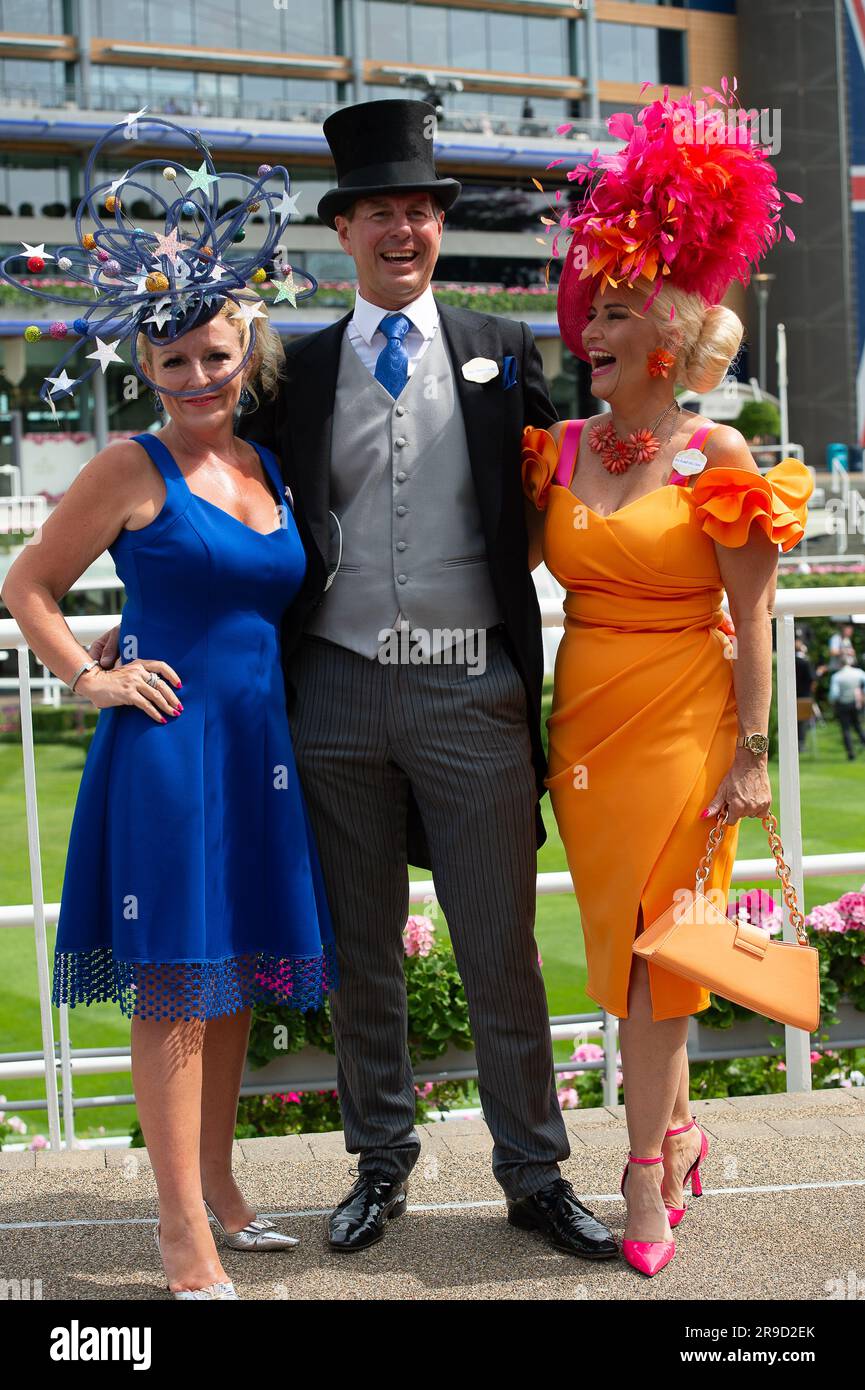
(368, 340)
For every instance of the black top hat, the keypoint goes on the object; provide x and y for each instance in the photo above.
(383, 147)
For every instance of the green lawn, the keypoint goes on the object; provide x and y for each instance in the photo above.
(833, 820)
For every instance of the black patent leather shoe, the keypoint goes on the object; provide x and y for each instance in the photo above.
(567, 1224)
(362, 1215)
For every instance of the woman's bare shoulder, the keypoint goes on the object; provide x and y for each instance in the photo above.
(726, 447)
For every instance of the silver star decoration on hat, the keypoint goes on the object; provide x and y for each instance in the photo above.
(200, 178)
(248, 312)
(161, 313)
(62, 385)
(287, 206)
(36, 251)
(105, 353)
(118, 183)
(133, 116)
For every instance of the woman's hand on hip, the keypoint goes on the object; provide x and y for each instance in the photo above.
(745, 791)
(128, 685)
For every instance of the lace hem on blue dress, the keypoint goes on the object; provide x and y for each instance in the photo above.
(173, 990)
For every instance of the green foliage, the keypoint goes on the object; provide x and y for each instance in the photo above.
(437, 1015)
(758, 418)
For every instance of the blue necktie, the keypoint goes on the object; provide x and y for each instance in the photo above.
(391, 367)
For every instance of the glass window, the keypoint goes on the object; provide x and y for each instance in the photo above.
(428, 36)
(171, 23)
(628, 53)
(216, 22)
(507, 49)
(387, 31)
(467, 37)
(32, 82)
(113, 21)
(31, 16)
(38, 184)
(547, 51)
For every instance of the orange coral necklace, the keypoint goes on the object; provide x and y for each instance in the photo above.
(641, 446)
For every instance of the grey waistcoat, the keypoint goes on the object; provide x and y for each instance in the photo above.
(402, 487)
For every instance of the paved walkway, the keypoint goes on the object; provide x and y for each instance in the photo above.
(782, 1215)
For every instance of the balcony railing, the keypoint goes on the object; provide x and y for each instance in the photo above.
(38, 914)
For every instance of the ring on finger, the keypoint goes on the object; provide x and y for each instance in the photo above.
(153, 678)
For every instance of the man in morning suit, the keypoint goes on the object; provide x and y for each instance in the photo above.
(405, 475)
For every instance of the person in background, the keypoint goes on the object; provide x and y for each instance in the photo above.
(804, 691)
(847, 696)
(841, 648)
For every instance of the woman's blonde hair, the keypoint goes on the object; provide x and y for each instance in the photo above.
(267, 362)
(703, 338)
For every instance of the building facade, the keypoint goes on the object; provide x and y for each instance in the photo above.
(257, 77)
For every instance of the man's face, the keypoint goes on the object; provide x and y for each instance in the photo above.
(394, 241)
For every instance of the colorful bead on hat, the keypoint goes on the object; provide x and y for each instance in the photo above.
(691, 200)
(161, 283)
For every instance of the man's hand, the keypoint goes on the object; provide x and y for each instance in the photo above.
(105, 649)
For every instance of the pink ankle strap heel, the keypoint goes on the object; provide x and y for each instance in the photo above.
(648, 1256)
(692, 1176)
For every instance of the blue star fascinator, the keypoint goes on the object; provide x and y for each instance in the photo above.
(163, 284)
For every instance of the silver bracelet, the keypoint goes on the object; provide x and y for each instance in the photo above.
(86, 667)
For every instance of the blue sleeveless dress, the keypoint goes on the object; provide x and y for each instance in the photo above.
(192, 885)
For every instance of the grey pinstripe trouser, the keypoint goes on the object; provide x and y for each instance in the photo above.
(363, 732)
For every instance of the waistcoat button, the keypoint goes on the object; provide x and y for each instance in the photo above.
(401, 511)
(401, 477)
(400, 410)
(400, 578)
(400, 545)
(399, 442)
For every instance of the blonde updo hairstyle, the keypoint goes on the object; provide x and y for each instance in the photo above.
(704, 338)
(266, 365)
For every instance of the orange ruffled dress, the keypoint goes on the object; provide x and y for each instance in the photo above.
(643, 725)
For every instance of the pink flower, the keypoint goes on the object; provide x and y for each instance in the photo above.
(852, 905)
(759, 908)
(418, 936)
(826, 917)
(569, 1100)
(816, 1056)
(423, 1090)
(39, 1142)
(588, 1052)
(540, 960)
(291, 1098)
(781, 1066)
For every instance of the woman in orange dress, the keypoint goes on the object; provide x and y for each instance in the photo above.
(646, 514)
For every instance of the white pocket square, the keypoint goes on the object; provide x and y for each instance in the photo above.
(480, 369)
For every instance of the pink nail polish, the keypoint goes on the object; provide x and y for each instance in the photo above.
(162, 719)
(179, 707)
(179, 685)
(704, 814)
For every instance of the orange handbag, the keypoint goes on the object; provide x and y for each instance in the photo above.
(780, 979)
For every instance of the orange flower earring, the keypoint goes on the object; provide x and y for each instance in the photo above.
(659, 362)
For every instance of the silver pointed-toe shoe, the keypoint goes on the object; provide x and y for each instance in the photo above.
(260, 1235)
(222, 1289)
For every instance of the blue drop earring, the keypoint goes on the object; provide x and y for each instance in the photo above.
(157, 403)
(245, 399)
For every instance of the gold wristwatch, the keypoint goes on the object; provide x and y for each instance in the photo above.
(755, 743)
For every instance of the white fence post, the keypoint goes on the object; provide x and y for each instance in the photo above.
(27, 748)
(798, 1042)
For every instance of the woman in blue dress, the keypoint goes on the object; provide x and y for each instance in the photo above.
(192, 884)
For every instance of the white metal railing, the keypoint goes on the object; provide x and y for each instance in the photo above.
(788, 604)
